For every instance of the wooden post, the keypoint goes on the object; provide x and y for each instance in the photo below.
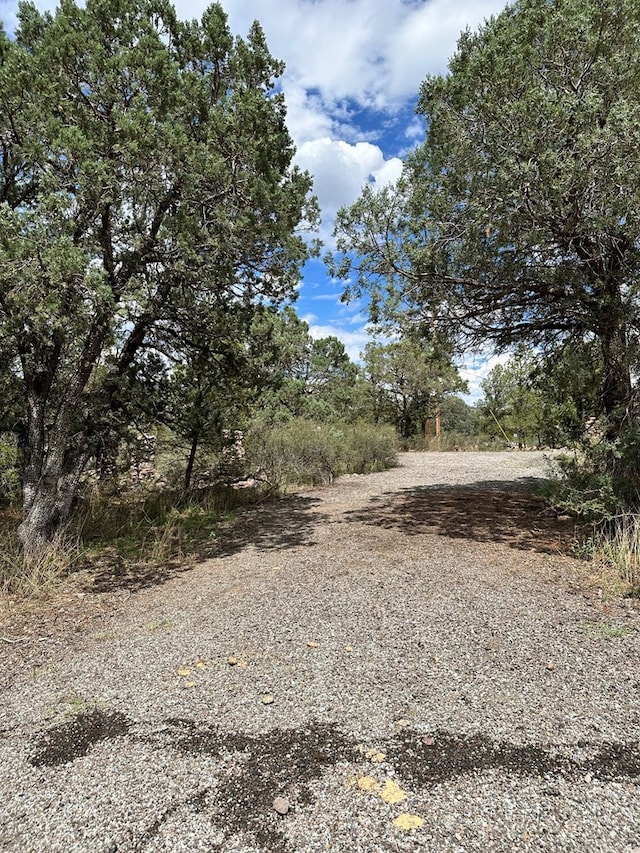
(438, 419)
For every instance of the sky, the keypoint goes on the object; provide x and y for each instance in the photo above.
(353, 71)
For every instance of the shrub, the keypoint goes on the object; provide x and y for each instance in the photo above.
(580, 486)
(305, 452)
(9, 475)
(366, 448)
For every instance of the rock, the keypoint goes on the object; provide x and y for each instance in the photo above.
(281, 805)
(268, 699)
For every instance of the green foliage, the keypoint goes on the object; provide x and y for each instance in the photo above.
(147, 197)
(153, 526)
(9, 469)
(302, 451)
(618, 548)
(581, 485)
(407, 381)
(297, 375)
(516, 220)
(452, 440)
(459, 418)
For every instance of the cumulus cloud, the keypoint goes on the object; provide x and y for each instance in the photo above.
(340, 171)
(376, 51)
(354, 340)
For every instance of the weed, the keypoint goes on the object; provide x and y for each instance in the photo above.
(161, 625)
(102, 636)
(583, 549)
(605, 630)
(618, 548)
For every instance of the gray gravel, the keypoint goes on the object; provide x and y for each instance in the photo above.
(386, 638)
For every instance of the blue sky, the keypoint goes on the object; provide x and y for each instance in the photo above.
(353, 70)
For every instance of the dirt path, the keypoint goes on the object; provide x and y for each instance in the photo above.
(401, 662)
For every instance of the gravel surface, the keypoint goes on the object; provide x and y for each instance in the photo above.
(399, 662)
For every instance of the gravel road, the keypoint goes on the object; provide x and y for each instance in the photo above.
(399, 662)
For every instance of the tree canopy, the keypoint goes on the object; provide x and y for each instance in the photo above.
(408, 381)
(517, 219)
(146, 189)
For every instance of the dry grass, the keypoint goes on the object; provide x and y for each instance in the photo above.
(617, 552)
(133, 534)
(34, 575)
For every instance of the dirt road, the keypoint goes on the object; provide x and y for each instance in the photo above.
(399, 662)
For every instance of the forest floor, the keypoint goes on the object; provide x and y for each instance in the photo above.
(404, 661)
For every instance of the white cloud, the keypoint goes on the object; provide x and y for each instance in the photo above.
(476, 367)
(376, 51)
(340, 171)
(354, 341)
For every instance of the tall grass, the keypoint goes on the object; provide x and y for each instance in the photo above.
(34, 575)
(617, 551)
(150, 527)
(454, 441)
(129, 533)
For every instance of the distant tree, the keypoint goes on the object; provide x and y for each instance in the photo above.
(534, 398)
(146, 182)
(517, 219)
(408, 380)
(512, 406)
(459, 417)
(298, 375)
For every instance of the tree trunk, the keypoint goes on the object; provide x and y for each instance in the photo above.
(622, 466)
(51, 473)
(49, 503)
(190, 462)
(616, 381)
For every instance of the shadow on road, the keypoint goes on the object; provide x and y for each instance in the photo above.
(272, 524)
(285, 522)
(490, 511)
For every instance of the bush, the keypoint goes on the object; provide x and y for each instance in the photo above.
(579, 485)
(367, 447)
(305, 452)
(599, 485)
(9, 474)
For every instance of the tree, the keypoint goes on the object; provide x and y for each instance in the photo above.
(459, 417)
(513, 407)
(549, 400)
(297, 375)
(517, 219)
(145, 183)
(408, 380)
